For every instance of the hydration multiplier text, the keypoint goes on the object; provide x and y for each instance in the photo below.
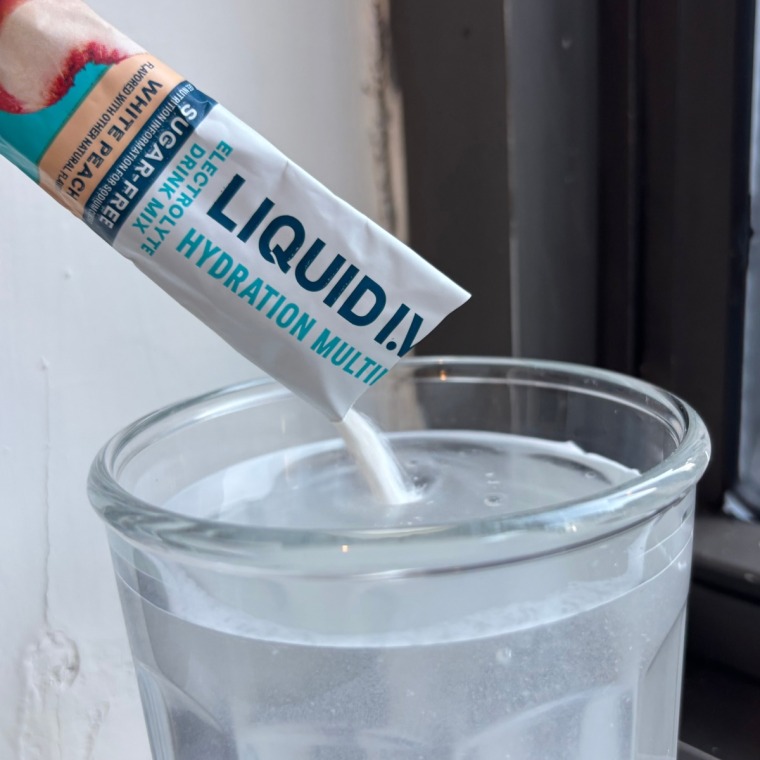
(357, 297)
(277, 308)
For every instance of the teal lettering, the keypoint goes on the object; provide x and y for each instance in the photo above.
(251, 293)
(191, 241)
(209, 250)
(239, 275)
(325, 343)
(287, 315)
(302, 327)
(221, 266)
(341, 355)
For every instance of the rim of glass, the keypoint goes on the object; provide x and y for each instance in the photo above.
(607, 511)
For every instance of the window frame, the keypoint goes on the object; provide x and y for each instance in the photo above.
(649, 242)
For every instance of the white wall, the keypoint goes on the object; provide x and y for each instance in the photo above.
(87, 344)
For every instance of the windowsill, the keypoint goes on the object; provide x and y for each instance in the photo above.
(727, 555)
(685, 752)
(721, 695)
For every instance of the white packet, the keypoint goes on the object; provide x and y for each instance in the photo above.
(299, 282)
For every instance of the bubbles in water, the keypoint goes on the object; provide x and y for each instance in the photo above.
(504, 656)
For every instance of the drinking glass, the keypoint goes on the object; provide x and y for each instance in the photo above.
(526, 604)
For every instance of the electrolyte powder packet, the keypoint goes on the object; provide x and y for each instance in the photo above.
(303, 285)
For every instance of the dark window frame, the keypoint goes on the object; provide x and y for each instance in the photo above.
(665, 247)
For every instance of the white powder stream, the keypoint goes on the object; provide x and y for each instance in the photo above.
(375, 459)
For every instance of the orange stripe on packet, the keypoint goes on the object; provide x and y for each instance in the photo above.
(105, 123)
